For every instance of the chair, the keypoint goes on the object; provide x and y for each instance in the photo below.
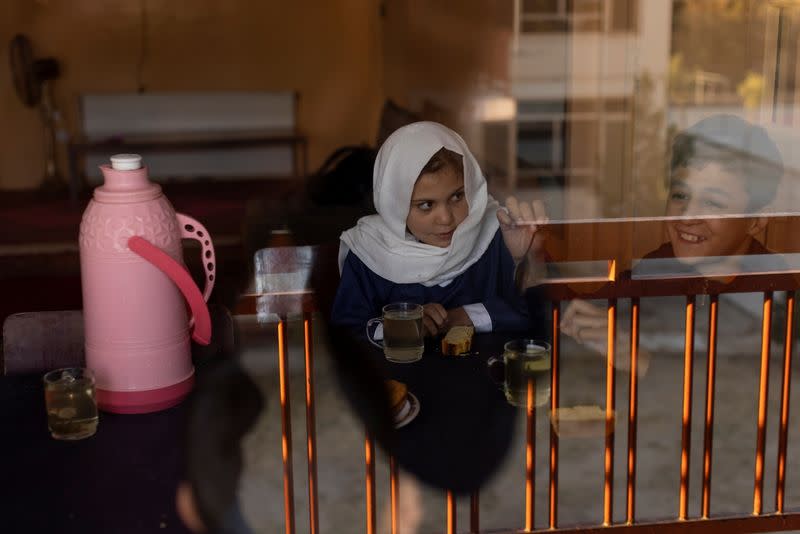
(34, 342)
(282, 287)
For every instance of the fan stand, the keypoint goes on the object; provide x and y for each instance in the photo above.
(52, 181)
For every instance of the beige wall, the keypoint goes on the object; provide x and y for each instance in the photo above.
(444, 50)
(330, 53)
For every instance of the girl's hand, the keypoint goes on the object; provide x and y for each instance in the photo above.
(434, 318)
(457, 317)
(520, 224)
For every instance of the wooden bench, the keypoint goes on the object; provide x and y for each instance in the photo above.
(187, 135)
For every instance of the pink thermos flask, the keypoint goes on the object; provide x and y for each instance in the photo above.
(136, 291)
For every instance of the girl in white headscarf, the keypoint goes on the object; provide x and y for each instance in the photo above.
(438, 240)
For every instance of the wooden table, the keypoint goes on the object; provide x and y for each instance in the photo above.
(464, 427)
(123, 479)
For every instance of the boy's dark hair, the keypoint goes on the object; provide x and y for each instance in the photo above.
(743, 149)
(442, 159)
(223, 407)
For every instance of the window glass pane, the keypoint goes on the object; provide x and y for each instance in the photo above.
(536, 145)
(624, 15)
(544, 26)
(590, 23)
(540, 106)
(586, 6)
(582, 144)
(540, 6)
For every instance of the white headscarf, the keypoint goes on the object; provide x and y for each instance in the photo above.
(382, 242)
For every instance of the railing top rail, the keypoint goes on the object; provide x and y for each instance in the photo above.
(626, 287)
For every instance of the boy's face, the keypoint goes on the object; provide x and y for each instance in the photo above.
(438, 206)
(710, 191)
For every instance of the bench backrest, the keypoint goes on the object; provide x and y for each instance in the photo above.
(210, 114)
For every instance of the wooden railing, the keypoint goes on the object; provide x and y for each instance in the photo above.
(613, 291)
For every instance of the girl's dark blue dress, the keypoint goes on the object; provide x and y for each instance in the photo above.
(489, 281)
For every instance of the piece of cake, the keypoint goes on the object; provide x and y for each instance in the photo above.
(580, 421)
(398, 400)
(458, 340)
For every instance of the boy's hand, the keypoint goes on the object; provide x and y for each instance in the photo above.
(585, 323)
(434, 318)
(588, 325)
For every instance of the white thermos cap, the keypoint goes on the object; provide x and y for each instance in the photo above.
(126, 162)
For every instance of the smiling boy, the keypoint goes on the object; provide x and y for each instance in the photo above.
(724, 172)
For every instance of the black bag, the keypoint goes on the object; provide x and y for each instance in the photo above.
(345, 179)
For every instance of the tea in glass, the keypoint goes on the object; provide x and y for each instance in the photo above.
(403, 337)
(70, 401)
(526, 359)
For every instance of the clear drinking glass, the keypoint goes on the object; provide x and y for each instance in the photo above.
(69, 396)
(403, 337)
(524, 360)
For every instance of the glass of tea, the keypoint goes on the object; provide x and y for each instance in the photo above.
(403, 337)
(524, 361)
(69, 396)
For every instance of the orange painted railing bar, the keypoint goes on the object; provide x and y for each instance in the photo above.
(286, 428)
(630, 503)
(608, 483)
(708, 434)
(686, 421)
(394, 493)
(530, 450)
(311, 432)
(474, 513)
(785, 394)
(369, 456)
(726, 525)
(763, 385)
(451, 513)
(554, 371)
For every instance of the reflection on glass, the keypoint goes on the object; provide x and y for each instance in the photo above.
(724, 173)
(579, 271)
(716, 266)
(579, 421)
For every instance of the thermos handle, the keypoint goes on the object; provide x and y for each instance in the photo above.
(192, 229)
(201, 333)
